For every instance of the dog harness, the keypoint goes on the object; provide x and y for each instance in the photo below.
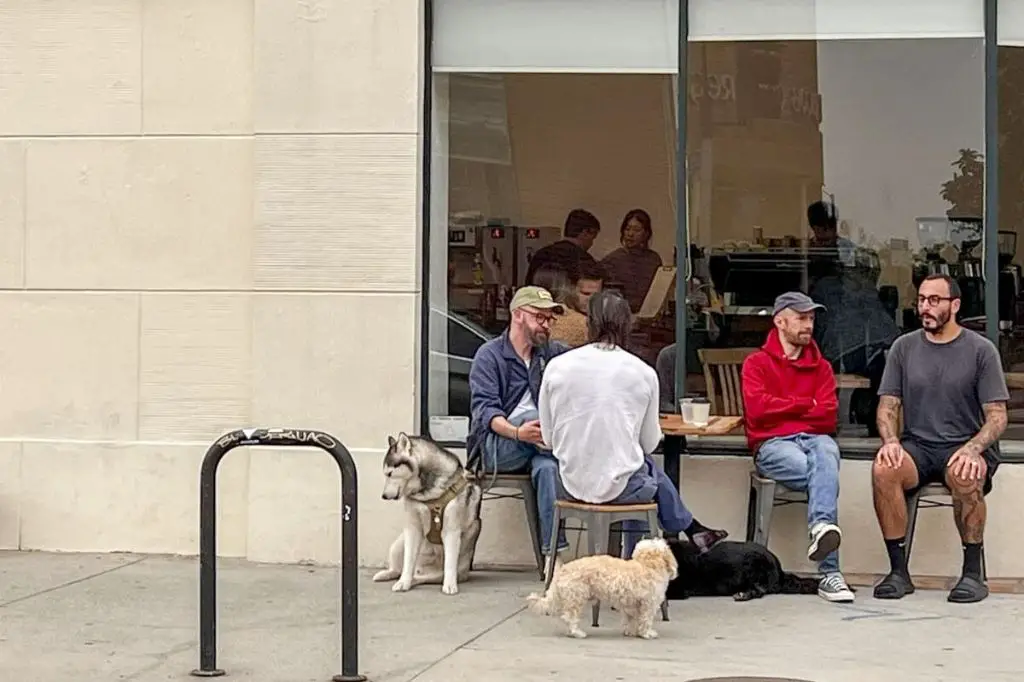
(438, 506)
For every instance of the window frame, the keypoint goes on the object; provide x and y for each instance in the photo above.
(682, 262)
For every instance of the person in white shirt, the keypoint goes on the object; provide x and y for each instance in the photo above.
(599, 413)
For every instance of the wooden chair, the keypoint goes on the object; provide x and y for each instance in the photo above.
(722, 370)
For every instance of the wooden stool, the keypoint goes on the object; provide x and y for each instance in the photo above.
(598, 519)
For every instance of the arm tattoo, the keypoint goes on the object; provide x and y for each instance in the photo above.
(991, 430)
(888, 418)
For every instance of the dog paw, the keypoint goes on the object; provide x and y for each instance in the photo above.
(577, 634)
(450, 589)
(402, 586)
(649, 634)
(384, 576)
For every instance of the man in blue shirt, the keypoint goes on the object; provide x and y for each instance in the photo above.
(504, 384)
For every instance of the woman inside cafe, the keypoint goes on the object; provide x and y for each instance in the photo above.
(631, 268)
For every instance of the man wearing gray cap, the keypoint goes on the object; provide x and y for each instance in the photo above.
(790, 414)
(504, 385)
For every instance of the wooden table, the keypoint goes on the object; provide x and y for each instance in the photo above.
(676, 431)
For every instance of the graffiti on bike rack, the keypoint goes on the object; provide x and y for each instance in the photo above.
(349, 621)
(284, 437)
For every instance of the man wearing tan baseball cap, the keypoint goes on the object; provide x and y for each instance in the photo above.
(534, 297)
(504, 385)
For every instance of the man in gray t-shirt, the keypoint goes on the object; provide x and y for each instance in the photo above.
(948, 383)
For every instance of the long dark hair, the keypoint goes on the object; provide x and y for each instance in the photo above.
(609, 319)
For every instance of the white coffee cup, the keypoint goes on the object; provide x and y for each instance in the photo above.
(686, 409)
(701, 413)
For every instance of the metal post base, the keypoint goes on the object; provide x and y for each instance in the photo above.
(216, 672)
(349, 678)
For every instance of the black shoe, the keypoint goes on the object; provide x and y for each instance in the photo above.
(894, 586)
(969, 590)
(706, 539)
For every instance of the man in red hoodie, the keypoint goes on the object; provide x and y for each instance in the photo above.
(790, 413)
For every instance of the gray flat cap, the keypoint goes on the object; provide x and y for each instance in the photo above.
(802, 303)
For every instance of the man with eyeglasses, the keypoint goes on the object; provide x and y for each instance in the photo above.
(504, 385)
(949, 383)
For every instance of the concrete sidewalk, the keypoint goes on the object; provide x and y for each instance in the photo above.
(124, 617)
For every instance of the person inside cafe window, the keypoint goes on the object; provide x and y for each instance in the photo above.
(854, 336)
(948, 382)
(665, 366)
(578, 235)
(633, 265)
(504, 383)
(589, 280)
(824, 224)
(599, 413)
(790, 414)
(570, 327)
(857, 330)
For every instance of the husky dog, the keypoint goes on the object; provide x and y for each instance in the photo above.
(442, 507)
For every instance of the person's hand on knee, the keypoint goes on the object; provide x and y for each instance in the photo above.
(891, 455)
(966, 466)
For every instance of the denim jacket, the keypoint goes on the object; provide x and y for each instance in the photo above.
(498, 379)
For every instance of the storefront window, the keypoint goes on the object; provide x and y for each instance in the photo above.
(1011, 205)
(834, 148)
(550, 117)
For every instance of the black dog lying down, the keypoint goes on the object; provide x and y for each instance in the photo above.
(745, 570)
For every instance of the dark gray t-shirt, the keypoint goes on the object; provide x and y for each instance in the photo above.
(943, 385)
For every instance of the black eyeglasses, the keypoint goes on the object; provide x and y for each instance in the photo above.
(934, 300)
(540, 318)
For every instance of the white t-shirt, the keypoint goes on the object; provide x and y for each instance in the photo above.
(599, 413)
(525, 403)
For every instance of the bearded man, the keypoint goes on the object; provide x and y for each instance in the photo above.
(949, 384)
(504, 383)
(790, 414)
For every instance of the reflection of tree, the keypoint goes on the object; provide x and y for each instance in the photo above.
(965, 191)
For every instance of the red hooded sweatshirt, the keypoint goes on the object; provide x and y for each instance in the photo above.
(783, 397)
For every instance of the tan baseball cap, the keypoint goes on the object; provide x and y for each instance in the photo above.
(534, 297)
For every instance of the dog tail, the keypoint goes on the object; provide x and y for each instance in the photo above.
(542, 604)
(794, 584)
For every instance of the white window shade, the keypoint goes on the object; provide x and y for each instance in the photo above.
(1011, 22)
(556, 36)
(834, 19)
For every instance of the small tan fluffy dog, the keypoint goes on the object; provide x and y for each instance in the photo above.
(636, 587)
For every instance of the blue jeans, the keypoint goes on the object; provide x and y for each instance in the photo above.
(808, 463)
(649, 483)
(505, 455)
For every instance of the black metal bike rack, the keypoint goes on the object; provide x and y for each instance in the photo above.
(349, 625)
